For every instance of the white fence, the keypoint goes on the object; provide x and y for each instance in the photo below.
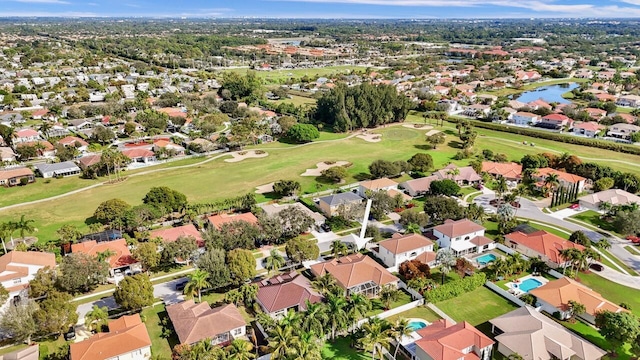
(505, 294)
(394, 311)
(510, 251)
(414, 294)
(555, 274)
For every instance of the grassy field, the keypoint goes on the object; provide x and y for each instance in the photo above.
(612, 291)
(593, 218)
(592, 335)
(632, 250)
(341, 349)
(296, 100)
(161, 345)
(476, 307)
(281, 76)
(216, 179)
(420, 312)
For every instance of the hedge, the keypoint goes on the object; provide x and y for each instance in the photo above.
(547, 135)
(455, 288)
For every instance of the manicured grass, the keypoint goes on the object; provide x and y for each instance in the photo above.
(593, 218)
(161, 345)
(378, 307)
(466, 191)
(632, 250)
(280, 76)
(420, 312)
(612, 291)
(592, 335)
(296, 100)
(476, 307)
(341, 349)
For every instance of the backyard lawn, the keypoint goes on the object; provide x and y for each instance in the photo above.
(476, 307)
(593, 218)
(420, 312)
(340, 349)
(161, 344)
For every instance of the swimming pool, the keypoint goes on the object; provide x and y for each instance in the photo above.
(485, 259)
(529, 285)
(416, 325)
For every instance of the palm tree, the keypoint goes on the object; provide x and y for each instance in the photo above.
(501, 186)
(447, 260)
(45, 129)
(376, 336)
(576, 308)
(602, 244)
(24, 226)
(571, 255)
(6, 229)
(357, 307)
(240, 350)
(307, 346)
(476, 213)
(97, 315)
(325, 284)
(280, 340)
(315, 318)
(338, 248)
(413, 229)
(453, 173)
(336, 306)
(389, 294)
(498, 267)
(249, 293)
(104, 255)
(400, 329)
(552, 180)
(274, 261)
(198, 280)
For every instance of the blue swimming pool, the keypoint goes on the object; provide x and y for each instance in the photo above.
(485, 259)
(529, 285)
(417, 325)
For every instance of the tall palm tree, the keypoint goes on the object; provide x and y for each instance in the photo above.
(338, 248)
(447, 260)
(240, 350)
(24, 226)
(274, 261)
(501, 186)
(399, 330)
(280, 341)
(325, 284)
(377, 335)
(357, 307)
(315, 318)
(570, 255)
(307, 346)
(198, 280)
(249, 293)
(97, 317)
(576, 308)
(336, 306)
(552, 181)
(389, 294)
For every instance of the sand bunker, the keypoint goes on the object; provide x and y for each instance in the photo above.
(374, 138)
(241, 155)
(322, 166)
(418, 126)
(432, 132)
(264, 189)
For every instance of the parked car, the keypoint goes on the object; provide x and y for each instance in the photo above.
(634, 239)
(71, 334)
(575, 207)
(181, 285)
(596, 267)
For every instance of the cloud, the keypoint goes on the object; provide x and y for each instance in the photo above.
(60, 2)
(632, 2)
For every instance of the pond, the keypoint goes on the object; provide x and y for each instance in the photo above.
(552, 93)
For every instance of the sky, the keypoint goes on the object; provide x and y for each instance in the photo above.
(331, 9)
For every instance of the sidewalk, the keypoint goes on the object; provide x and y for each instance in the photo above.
(620, 278)
(107, 292)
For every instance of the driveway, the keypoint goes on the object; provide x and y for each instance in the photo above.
(325, 239)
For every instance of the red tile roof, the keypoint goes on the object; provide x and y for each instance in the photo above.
(122, 255)
(405, 243)
(125, 335)
(507, 170)
(172, 234)
(571, 178)
(543, 243)
(353, 270)
(286, 291)
(218, 220)
(443, 340)
(453, 229)
(137, 153)
(71, 140)
(194, 322)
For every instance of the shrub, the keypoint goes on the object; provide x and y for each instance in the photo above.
(456, 288)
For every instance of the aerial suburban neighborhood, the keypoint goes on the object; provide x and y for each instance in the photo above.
(185, 189)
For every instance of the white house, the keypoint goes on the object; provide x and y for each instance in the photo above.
(376, 185)
(525, 118)
(17, 268)
(401, 248)
(463, 237)
(61, 169)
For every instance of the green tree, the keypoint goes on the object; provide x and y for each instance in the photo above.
(246, 87)
(240, 350)
(325, 284)
(182, 250)
(24, 226)
(213, 262)
(377, 335)
(110, 210)
(421, 162)
(576, 308)
(274, 261)
(383, 168)
(579, 237)
(618, 328)
(42, 283)
(68, 233)
(338, 248)
(447, 260)
(81, 272)
(103, 135)
(242, 265)
(444, 187)
(602, 184)
(436, 139)
(300, 250)
(335, 173)
(303, 133)
(441, 208)
(314, 318)
(337, 307)
(97, 318)
(56, 313)
(165, 199)
(286, 187)
(389, 294)
(20, 322)
(148, 255)
(134, 292)
(198, 280)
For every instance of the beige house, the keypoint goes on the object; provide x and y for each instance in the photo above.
(331, 204)
(611, 196)
(533, 335)
(194, 322)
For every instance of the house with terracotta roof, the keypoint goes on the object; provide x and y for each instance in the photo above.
(462, 175)
(127, 339)
(356, 274)
(542, 245)
(86, 161)
(446, 340)
(331, 204)
(532, 335)
(555, 296)
(26, 135)
(554, 121)
(565, 179)
(6, 153)
(595, 113)
(281, 293)
(17, 268)
(589, 129)
(218, 220)
(611, 196)
(168, 146)
(195, 322)
(121, 258)
(418, 187)
(139, 155)
(510, 171)
(463, 237)
(74, 141)
(401, 248)
(172, 234)
(14, 176)
(384, 184)
(525, 118)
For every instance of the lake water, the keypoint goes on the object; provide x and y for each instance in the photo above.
(552, 93)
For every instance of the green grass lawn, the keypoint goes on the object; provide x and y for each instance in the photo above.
(476, 307)
(612, 291)
(378, 307)
(632, 250)
(592, 218)
(280, 76)
(341, 349)
(420, 312)
(161, 345)
(592, 335)
(296, 100)
(466, 191)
